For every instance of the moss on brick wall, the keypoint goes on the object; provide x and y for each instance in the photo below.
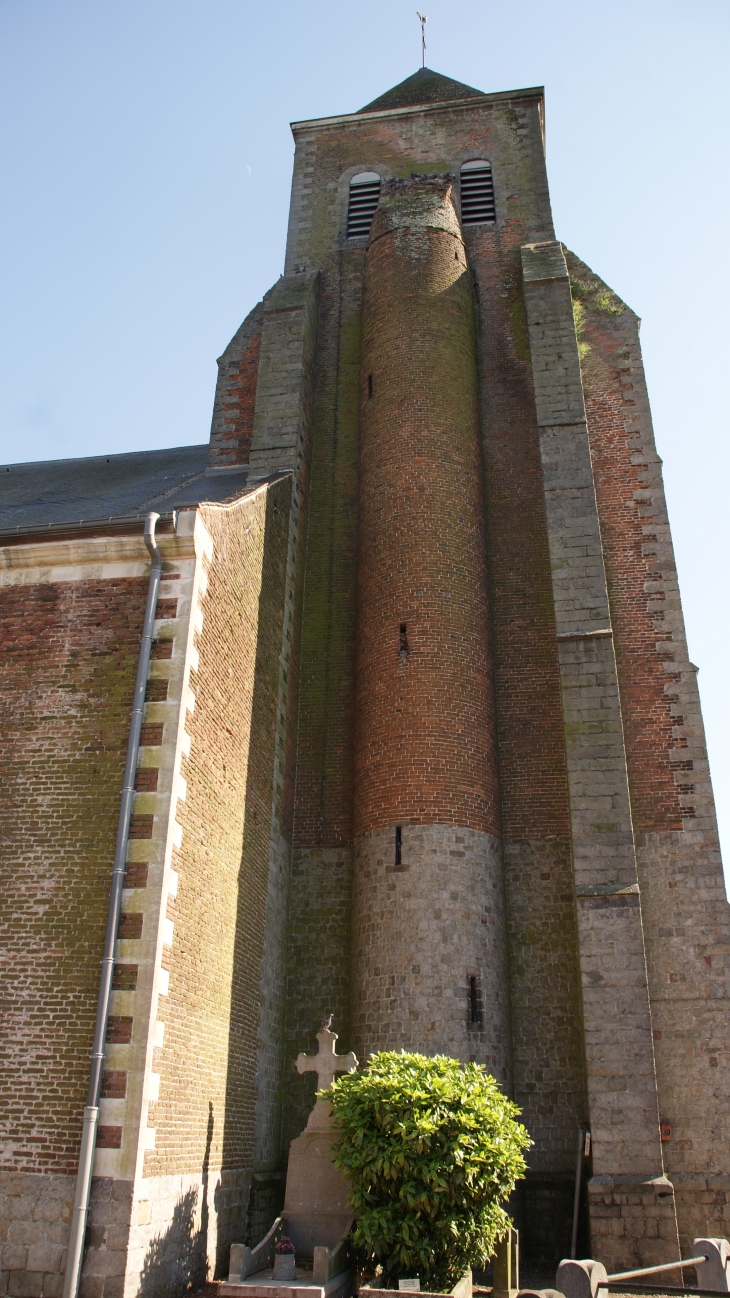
(323, 809)
(205, 1113)
(318, 981)
(425, 750)
(68, 655)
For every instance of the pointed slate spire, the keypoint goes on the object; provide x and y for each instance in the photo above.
(424, 87)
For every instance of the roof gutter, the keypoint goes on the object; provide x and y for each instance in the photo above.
(26, 532)
(91, 1111)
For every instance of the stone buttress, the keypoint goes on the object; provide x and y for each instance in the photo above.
(620, 1067)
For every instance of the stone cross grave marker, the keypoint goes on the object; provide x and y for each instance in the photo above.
(326, 1064)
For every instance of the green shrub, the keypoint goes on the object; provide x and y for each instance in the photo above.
(432, 1150)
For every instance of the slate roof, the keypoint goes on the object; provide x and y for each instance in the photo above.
(52, 493)
(424, 87)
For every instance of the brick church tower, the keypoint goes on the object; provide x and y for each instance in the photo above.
(421, 747)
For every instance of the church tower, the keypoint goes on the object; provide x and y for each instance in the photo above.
(422, 746)
(502, 792)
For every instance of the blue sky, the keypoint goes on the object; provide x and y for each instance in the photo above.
(146, 157)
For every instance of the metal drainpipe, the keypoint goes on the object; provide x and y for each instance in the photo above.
(91, 1112)
(584, 1146)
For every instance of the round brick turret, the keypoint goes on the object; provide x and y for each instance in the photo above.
(428, 925)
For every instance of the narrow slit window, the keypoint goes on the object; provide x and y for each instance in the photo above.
(477, 193)
(364, 195)
(474, 1015)
(398, 845)
(370, 387)
(403, 639)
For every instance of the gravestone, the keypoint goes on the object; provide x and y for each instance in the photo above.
(316, 1215)
(715, 1272)
(316, 1207)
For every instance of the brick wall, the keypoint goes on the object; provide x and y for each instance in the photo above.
(686, 915)
(70, 639)
(327, 156)
(207, 1060)
(235, 395)
(69, 660)
(635, 580)
(425, 735)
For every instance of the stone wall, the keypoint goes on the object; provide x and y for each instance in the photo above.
(323, 807)
(422, 931)
(319, 948)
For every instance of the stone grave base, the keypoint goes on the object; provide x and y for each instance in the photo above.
(263, 1285)
(462, 1289)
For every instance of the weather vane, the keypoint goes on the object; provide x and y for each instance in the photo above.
(424, 20)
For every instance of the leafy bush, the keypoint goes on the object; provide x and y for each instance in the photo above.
(432, 1150)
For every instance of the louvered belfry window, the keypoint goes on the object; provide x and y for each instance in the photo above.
(477, 193)
(364, 195)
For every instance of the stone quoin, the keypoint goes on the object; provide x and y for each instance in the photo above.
(421, 749)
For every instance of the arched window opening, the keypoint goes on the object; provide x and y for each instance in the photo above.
(477, 192)
(364, 195)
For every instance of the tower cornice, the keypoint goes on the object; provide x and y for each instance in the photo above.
(471, 101)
